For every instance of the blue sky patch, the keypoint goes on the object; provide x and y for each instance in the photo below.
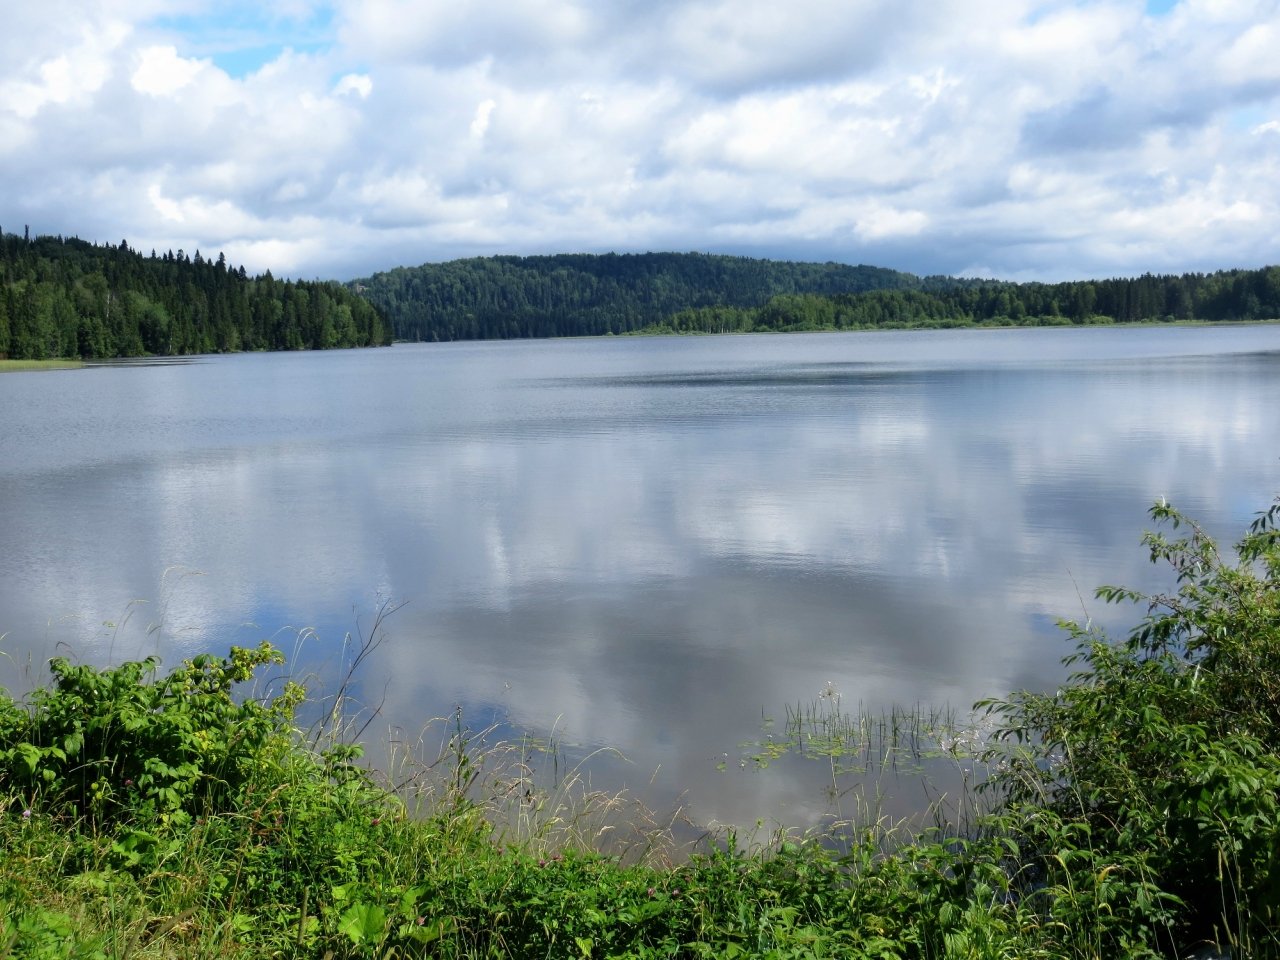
(246, 60)
(241, 38)
(1247, 118)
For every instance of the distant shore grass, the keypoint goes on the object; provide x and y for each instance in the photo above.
(664, 328)
(12, 366)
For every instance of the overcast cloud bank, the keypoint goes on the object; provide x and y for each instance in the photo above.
(1027, 140)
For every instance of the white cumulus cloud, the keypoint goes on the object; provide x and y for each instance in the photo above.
(162, 73)
(1035, 138)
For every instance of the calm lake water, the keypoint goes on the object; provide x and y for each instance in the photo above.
(646, 544)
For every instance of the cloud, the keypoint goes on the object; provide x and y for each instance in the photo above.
(75, 72)
(481, 122)
(883, 221)
(162, 73)
(1046, 138)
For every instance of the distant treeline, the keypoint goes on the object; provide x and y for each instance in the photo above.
(576, 295)
(585, 295)
(939, 302)
(69, 298)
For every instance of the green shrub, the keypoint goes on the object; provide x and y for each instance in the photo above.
(1158, 762)
(105, 742)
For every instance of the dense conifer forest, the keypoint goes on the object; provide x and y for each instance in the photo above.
(575, 295)
(943, 302)
(584, 295)
(70, 298)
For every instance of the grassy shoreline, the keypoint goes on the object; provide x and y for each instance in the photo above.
(13, 366)
(664, 329)
(1134, 812)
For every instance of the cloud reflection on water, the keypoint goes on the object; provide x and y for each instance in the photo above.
(634, 555)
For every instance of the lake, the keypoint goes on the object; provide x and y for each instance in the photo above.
(643, 544)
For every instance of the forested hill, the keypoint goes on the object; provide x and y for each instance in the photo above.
(584, 294)
(575, 295)
(940, 302)
(69, 298)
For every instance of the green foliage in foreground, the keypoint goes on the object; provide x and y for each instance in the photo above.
(1164, 751)
(1134, 812)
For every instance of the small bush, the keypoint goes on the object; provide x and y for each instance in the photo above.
(1158, 762)
(104, 743)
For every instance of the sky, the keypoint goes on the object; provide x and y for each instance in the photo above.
(1020, 139)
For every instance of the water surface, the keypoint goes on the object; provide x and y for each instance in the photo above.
(640, 543)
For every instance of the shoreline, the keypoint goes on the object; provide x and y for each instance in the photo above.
(25, 366)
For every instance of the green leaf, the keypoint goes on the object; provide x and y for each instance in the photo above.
(364, 923)
(433, 931)
(409, 901)
(30, 755)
